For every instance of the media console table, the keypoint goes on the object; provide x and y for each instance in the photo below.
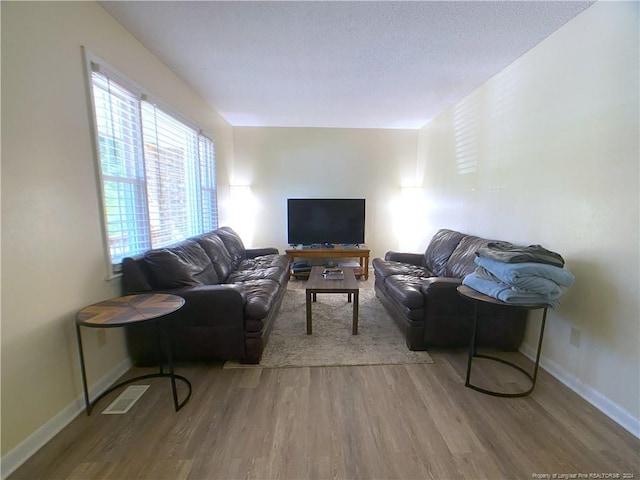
(338, 251)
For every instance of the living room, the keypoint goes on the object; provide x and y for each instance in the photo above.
(556, 164)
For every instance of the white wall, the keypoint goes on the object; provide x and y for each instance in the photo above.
(547, 152)
(279, 163)
(52, 247)
(553, 160)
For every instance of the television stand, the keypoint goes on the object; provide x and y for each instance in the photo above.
(360, 252)
(316, 246)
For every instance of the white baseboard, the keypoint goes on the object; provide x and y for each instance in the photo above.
(591, 395)
(34, 442)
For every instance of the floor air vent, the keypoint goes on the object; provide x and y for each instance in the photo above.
(125, 400)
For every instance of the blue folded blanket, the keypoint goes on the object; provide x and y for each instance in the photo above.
(522, 275)
(505, 293)
(540, 285)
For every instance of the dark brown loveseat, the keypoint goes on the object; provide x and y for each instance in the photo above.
(232, 295)
(419, 292)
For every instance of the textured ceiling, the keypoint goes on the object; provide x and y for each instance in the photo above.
(338, 64)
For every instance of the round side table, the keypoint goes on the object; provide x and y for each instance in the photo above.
(122, 311)
(477, 298)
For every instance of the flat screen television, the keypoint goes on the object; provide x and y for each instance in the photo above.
(314, 221)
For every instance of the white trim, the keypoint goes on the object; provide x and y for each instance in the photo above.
(110, 71)
(611, 409)
(108, 88)
(89, 60)
(11, 461)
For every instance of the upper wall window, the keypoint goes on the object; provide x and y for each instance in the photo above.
(157, 171)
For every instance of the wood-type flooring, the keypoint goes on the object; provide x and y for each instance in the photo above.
(368, 422)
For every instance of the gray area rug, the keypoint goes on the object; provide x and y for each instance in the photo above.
(379, 341)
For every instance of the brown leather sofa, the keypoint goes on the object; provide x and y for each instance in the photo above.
(232, 295)
(419, 292)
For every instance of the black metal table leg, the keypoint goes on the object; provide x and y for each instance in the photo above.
(87, 404)
(169, 354)
(473, 354)
(472, 345)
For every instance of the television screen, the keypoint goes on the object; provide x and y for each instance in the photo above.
(325, 220)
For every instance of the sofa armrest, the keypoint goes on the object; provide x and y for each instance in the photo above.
(436, 285)
(213, 294)
(259, 252)
(442, 299)
(440, 282)
(211, 305)
(404, 257)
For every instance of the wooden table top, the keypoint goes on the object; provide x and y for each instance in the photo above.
(120, 311)
(318, 283)
(475, 295)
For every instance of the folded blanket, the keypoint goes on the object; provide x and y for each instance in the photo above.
(505, 293)
(519, 274)
(510, 253)
(532, 284)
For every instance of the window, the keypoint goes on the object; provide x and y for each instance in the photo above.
(157, 171)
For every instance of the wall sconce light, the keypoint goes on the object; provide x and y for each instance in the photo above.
(410, 218)
(243, 210)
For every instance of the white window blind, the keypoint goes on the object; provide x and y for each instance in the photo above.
(173, 177)
(157, 173)
(208, 192)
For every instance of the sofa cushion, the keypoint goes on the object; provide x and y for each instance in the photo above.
(234, 245)
(135, 275)
(273, 260)
(272, 273)
(406, 290)
(220, 257)
(385, 268)
(182, 265)
(442, 245)
(192, 253)
(168, 270)
(462, 261)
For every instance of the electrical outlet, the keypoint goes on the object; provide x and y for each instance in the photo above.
(574, 338)
(102, 337)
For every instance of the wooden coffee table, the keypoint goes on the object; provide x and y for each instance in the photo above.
(318, 284)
